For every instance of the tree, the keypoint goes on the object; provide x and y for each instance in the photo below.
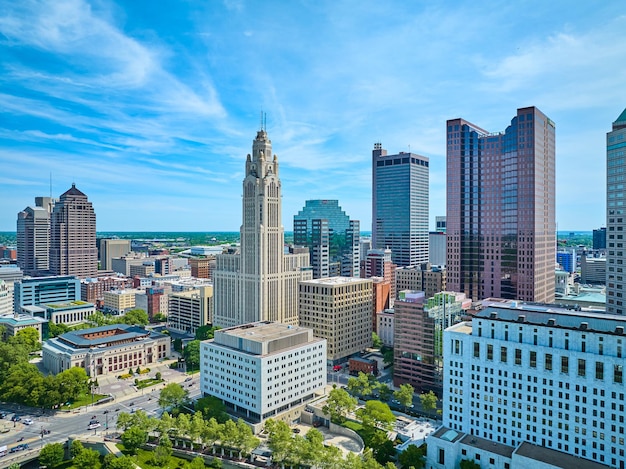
(86, 459)
(76, 448)
(376, 341)
(429, 401)
(28, 337)
(177, 343)
(197, 463)
(159, 317)
(339, 404)
(172, 396)
(387, 355)
(113, 462)
(362, 385)
(405, 395)
(376, 414)
(412, 456)
(191, 353)
(163, 451)
(135, 316)
(157, 376)
(212, 407)
(206, 332)
(384, 392)
(279, 440)
(133, 438)
(51, 455)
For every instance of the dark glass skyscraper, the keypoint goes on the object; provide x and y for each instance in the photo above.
(501, 226)
(332, 238)
(400, 205)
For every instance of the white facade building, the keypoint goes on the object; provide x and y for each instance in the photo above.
(385, 325)
(262, 370)
(531, 375)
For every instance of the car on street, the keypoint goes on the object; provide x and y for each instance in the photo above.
(27, 421)
(16, 418)
(93, 426)
(3, 415)
(188, 379)
(135, 410)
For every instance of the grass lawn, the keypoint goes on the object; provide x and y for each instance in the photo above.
(144, 383)
(144, 459)
(84, 399)
(354, 426)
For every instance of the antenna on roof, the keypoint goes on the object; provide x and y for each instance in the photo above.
(50, 184)
(261, 119)
(265, 122)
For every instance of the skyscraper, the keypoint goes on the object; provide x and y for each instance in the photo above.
(33, 236)
(400, 205)
(261, 282)
(73, 249)
(615, 166)
(332, 238)
(501, 227)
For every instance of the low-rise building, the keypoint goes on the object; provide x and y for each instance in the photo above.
(15, 322)
(105, 350)
(69, 312)
(358, 365)
(41, 290)
(119, 301)
(263, 370)
(191, 309)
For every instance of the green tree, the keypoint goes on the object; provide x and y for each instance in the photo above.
(279, 440)
(158, 375)
(191, 353)
(384, 392)
(99, 319)
(405, 395)
(172, 396)
(245, 441)
(72, 383)
(339, 404)
(412, 456)
(133, 438)
(429, 401)
(376, 414)
(76, 448)
(206, 332)
(86, 459)
(51, 455)
(387, 355)
(135, 317)
(197, 463)
(376, 341)
(177, 344)
(212, 407)
(159, 317)
(163, 451)
(113, 462)
(28, 337)
(362, 385)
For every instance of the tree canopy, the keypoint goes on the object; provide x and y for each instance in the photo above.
(404, 394)
(429, 401)
(191, 353)
(338, 404)
(172, 395)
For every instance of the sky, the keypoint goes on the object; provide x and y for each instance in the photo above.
(150, 108)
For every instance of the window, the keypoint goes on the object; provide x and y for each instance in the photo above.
(503, 353)
(518, 356)
(476, 350)
(548, 362)
(618, 374)
(581, 367)
(442, 456)
(489, 352)
(599, 370)
(533, 359)
(564, 365)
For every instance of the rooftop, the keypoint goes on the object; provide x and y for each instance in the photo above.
(262, 331)
(336, 280)
(488, 445)
(555, 458)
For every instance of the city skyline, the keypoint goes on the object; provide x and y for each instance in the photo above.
(149, 112)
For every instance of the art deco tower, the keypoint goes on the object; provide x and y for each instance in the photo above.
(501, 225)
(261, 282)
(73, 249)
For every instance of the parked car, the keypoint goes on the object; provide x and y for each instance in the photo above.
(27, 421)
(16, 418)
(3, 415)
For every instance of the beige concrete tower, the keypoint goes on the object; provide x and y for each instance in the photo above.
(260, 283)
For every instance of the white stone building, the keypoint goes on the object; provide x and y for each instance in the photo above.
(534, 375)
(263, 370)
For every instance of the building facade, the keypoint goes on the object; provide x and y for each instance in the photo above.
(593, 271)
(437, 248)
(33, 237)
(191, 309)
(599, 238)
(110, 249)
(105, 350)
(120, 301)
(500, 221)
(73, 249)
(263, 370)
(42, 290)
(615, 216)
(338, 309)
(400, 205)
(260, 283)
(201, 267)
(431, 279)
(541, 376)
(332, 238)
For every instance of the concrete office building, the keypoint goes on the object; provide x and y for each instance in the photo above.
(122, 265)
(144, 269)
(92, 289)
(260, 283)
(110, 249)
(33, 237)
(202, 267)
(381, 298)
(120, 301)
(599, 239)
(500, 221)
(440, 224)
(593, 271)
(378, 263)
(6, 298)
(263, 370)
(42, 290)
(14, 322)
(338, 309)
(431, 279)
(191, 309)
(105, 350)
(332, 238)
(437, 248)
(615, 216)
(400, 205)
(68, 312)
(73, 249)
(533, 376)
(385, 326)
(11, 274)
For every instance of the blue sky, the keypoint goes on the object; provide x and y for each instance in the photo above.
(151, 107)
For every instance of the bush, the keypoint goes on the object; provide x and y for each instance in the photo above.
(125, 376)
